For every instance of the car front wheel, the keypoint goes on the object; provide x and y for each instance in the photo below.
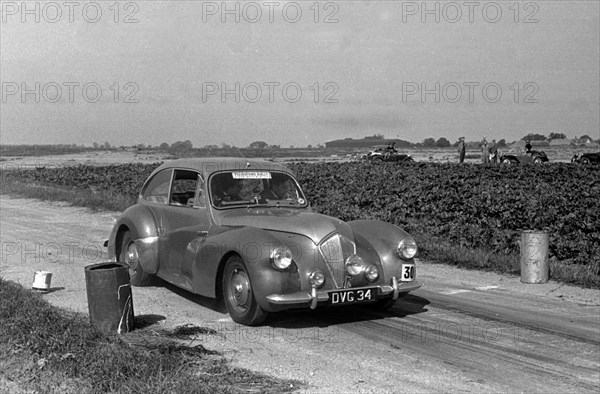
(238, 294)
(538, 160)
(585, 160)
(506, 161)
(129, 255)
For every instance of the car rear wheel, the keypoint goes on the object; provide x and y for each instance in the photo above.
(238, 294)
(538, 160)
(506, 161)
(129, 256)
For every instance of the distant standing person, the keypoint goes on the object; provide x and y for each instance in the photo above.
(528, 146)
(493, 148)
(461, 149)
(485, 153)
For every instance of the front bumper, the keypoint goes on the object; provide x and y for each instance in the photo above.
(312, 298)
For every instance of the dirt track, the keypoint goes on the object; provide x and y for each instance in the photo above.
(463, 331)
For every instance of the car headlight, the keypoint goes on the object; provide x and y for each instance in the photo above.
(281, 257)
(317, 278)
(355, 265)
(372, 273)
(407, 248)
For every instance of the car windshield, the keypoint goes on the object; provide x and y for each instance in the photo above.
(255, 188)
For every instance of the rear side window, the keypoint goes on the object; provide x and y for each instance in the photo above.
(156, 189)
(187, 189)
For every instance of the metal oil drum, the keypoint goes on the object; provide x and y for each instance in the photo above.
(109, 297)
(534, 256)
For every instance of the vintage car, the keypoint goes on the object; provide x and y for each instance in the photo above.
(381, 153)
(243, 231)
(532, 156)
(586, 158)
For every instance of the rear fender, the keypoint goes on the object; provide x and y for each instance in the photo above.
(140, 221)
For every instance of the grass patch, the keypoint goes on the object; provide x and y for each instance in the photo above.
(440, 252)
(46, 349)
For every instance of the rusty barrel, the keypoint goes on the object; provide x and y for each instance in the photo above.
(534, 256)
(109, 297)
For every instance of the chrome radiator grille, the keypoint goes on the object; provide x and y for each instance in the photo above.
(335, 249)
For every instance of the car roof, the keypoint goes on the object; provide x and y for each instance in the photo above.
(209, 165)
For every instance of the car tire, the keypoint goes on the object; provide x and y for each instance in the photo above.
(507, 161)
(538, 160)
(585, 160)
(377, 160)
(238, 294)
(130, 257)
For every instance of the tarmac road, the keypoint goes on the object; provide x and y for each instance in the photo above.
(462, 331)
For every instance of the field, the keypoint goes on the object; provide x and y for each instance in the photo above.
(32, 159)
(467, 215)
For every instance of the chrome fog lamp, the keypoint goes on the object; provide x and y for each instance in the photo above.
(372, 273)
(317, 278)
(407, 248)
(281, 257)
(355, 265)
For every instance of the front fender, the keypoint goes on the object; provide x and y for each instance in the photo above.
(141, 222)
(382, 238)
(254, 246)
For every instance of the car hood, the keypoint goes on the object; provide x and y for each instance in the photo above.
(312, 225)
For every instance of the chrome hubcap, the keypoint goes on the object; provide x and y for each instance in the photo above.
(131, 258)
(240, 288)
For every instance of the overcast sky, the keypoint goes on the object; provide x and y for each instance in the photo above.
(296, 73)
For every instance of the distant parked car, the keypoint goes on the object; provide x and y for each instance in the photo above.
(386, 153)
(586, 158)
(243, 231)
(533, 156)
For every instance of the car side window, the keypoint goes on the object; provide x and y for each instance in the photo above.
(157, 189)
(185, 187)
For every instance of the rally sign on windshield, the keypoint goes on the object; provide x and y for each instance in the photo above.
(251, 175)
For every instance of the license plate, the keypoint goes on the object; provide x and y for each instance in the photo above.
(352, 296)
(408, 273)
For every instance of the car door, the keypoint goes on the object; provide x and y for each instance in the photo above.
(186, 222)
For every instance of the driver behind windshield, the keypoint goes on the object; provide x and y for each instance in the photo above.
(278, 188)
(230, 190)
